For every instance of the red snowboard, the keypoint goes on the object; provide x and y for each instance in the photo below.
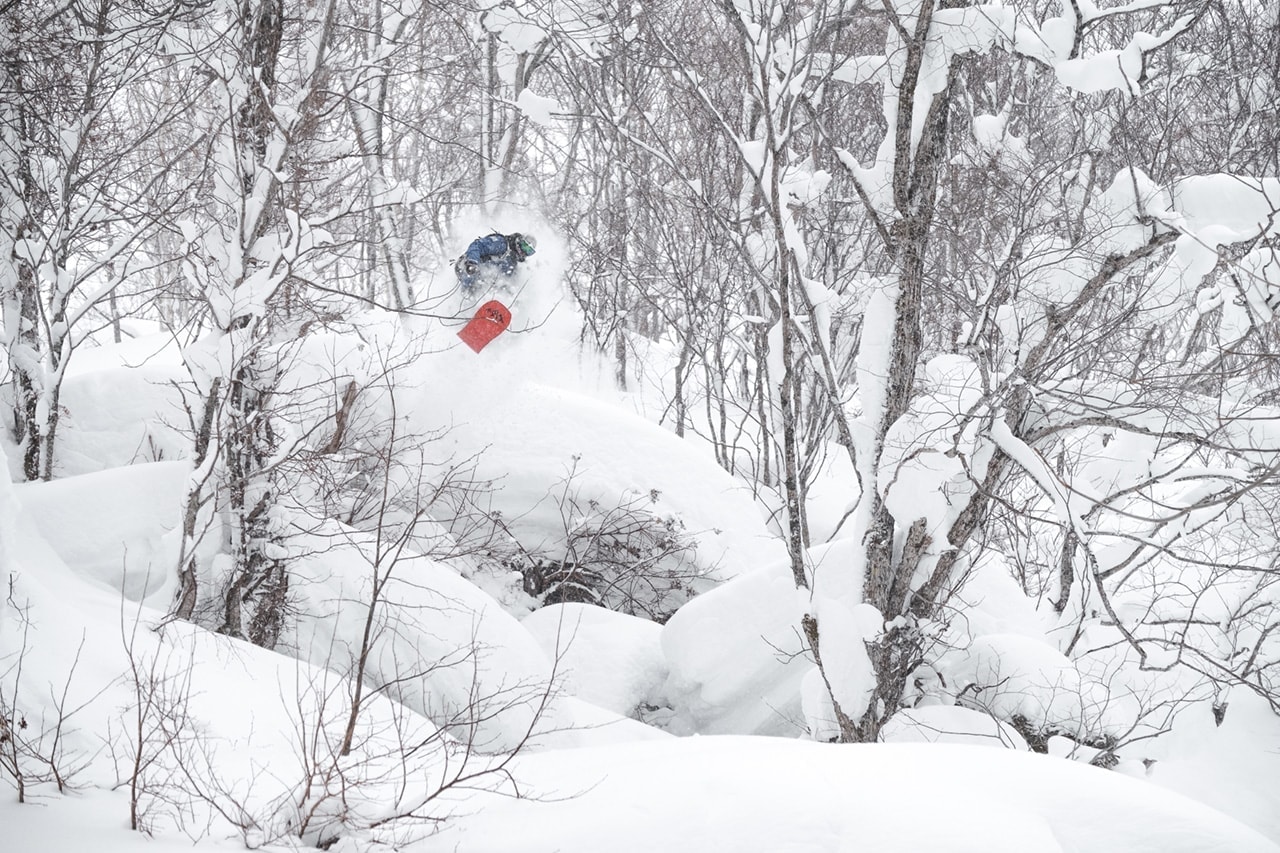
(491, 320)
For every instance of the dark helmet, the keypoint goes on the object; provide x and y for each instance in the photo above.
(526, 243)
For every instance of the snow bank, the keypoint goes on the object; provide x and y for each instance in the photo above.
(950, 724)
(994, 603)
(1019, 676)
(55, 629)
(1228, 766)
(92, 820)
(734, 793)
(143, 343)
(79, 661)
(436, 643)
(738, 661)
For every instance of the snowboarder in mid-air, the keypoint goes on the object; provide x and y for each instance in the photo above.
(491, 256)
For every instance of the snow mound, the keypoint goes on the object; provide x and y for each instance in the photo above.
(539, 443)
(436, 643)
(117, 527)
(1018, 676)
(735, 659)
(118, 416)
(607, 658)
(949, 724)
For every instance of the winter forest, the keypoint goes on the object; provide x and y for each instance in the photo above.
(884, 453)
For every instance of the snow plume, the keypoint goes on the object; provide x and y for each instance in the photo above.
(537, 294)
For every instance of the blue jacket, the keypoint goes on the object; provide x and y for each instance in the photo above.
(491, 248)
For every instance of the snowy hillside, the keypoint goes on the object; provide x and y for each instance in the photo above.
(206, 737)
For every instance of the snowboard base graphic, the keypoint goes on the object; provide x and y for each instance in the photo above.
(491, 319)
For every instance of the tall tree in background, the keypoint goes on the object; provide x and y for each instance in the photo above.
(610, 188)
(383, 39)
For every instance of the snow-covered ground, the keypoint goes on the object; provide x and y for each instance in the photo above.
(688, 736)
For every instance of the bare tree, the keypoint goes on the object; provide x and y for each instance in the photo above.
(33, 746)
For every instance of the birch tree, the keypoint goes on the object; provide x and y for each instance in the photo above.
(266, 77)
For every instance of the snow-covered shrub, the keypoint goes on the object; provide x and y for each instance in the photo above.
(623, 556)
